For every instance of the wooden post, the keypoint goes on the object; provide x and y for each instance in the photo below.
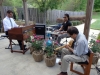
(90, 4)
(25, 12)
(1, 9)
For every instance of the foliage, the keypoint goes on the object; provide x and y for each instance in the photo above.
(98, 37)
(74, 5)
(97, 5)
(17, 3)
(44, 5)
(96, 15)
(49, 48)
(49, 51)
(15, 14)
(36, 41)
(96, 25)
(94, 45)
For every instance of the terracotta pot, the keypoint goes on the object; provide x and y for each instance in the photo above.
(95, 58)
(50, 61)
(38, 56)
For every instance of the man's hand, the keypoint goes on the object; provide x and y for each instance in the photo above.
(69, 48)
(56, 30)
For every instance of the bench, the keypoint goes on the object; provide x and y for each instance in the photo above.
(6, 36)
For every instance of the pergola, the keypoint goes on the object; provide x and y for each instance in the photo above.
(89, 9)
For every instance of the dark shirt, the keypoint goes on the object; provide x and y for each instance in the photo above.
(65, 25)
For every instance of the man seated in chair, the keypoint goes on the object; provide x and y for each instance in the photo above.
(77, 54)
(8, 23)
(63, 29)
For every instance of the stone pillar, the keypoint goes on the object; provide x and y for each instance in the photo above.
(25, 12)
(90, 4)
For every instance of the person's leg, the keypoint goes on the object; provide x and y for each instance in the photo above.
(71, 58)
(64, 52)
(61, 36)
(6, 32)
(20, 44)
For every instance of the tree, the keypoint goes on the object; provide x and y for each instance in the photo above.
(97, 5)
(44, 5)
(17, 3)
(74, 5)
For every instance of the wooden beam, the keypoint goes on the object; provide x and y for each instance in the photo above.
(1, 9)
(90, 4)
(25, 12)
(1, 1)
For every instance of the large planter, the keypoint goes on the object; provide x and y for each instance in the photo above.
(50, 61)
(95, 58)
(38, 56)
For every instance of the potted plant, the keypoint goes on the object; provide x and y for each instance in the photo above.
(49, 57)
(94, 45)
(37, 42)
(29, 41)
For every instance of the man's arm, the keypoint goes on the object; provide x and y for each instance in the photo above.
(15, 25)
(79, 50)
(5, 25)
(61, 28)
(66, 30)
(69, 48)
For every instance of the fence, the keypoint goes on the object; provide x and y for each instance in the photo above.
(39, 17)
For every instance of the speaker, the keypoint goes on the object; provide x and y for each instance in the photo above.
(40, 29)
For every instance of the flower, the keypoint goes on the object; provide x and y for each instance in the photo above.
(49, 47)
(37, 42)
(97, 41)
(94, 44)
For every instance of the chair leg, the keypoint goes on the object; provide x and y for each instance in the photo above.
(71, 69)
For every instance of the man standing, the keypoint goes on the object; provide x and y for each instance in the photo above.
(64, 28)
(8, 23)
(77, 54)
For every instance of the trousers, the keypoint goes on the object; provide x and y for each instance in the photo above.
(61, 36)
(67, 57)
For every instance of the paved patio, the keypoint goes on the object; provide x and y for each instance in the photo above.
(19, 64)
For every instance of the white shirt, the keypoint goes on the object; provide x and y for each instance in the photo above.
(7, 24)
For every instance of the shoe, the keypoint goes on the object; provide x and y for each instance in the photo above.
(62, 73)
(59, 63)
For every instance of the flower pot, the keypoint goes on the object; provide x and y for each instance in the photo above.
(95, 58)
(50, 61)
(38, 56)
(31, 49)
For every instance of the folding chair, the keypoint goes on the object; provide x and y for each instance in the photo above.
(85, 65)
(6, 36)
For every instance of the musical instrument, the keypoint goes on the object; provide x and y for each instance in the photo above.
(20, 33)
(69, 44)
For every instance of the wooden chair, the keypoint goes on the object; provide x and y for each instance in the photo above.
(85, 65)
